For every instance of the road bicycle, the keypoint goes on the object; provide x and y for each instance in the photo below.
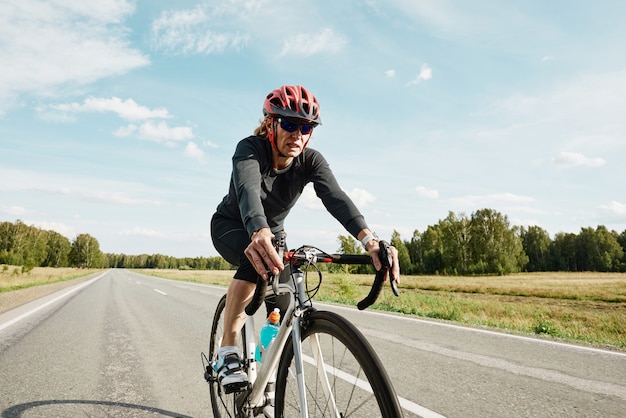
(319, 364)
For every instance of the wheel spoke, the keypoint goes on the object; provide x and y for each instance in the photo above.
(343, 375)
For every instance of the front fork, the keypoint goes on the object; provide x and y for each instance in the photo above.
(320, 365)
(296, 337)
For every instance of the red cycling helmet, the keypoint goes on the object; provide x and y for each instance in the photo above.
(293, 102)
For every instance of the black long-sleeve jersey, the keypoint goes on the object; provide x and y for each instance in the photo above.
(261, 196)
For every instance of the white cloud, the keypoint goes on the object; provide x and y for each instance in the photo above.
(126, 109)
(592, 103)
(426, 73)
(28, 180)
(437, 14)
(326, 41)
(615, 208)
(142, 232)
(483, 201)
(61, 228)
(208, 28)
(187, 32)
(390, 73)
(13, 210)
(193, 151)
(575, 159)
(118, 198)
(310, 200)
(125, 130)
(426, 192)
(361, 197)
(157, 132)
(48, 45)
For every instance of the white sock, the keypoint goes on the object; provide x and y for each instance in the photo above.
(226, 350)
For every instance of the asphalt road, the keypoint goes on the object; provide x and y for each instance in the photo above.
(128, 345)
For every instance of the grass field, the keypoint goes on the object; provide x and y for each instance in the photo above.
(582, 307)
(15, 277)
(579, 307)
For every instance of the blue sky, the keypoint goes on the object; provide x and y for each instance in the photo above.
(118, 118)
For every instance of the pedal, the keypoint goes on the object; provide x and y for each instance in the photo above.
(208, 373)
(235, 387)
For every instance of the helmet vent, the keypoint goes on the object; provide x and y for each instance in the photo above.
(276, 102)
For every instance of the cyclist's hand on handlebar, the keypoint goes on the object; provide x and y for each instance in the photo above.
(374, 251)
(263, 255)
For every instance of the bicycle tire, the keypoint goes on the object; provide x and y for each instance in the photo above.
(223, 404)
(359, 383)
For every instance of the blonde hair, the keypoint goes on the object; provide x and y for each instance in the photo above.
(261, 130)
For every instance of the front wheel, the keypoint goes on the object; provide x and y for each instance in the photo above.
(343, 375)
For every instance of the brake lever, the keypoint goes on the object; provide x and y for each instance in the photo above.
(279, 243)
(386, 258)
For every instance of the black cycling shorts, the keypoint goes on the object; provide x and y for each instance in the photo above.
(230, 239)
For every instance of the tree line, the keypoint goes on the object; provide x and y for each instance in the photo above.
(486, 243)
(29, 246)
(483, 243)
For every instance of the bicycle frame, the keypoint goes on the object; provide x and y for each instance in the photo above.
(260, 378)
(326, 388)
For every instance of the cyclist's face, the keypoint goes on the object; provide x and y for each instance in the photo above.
(290, 144)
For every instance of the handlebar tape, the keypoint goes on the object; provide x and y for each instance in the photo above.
(374, 291)
(351, 259)
(258, 298)
(387, 261)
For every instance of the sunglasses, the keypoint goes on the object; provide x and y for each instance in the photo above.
(289, 126)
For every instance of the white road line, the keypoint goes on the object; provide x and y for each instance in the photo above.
(547, 375)
(38, 308)
(160, 291)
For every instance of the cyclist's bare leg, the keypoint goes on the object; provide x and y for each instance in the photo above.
(238, 296)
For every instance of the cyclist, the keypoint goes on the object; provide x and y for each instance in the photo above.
(270, 170)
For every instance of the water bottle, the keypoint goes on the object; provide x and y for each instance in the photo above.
(268, 332)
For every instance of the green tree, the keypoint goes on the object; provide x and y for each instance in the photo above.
(598, 250)
(85, 252)
(347, 245)
(157, 261)
(414, 248)
(218, 263)
(563, 252)
(22, 245)
(496, 246)
(58, 249)
(621, 238)
(36, 247)
(456, 234)
(536, 242)
(432, 250)
(403, 253)
(13, 242)
(6, 243)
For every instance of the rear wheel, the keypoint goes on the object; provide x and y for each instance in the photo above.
(343, 375)
(223, 404)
